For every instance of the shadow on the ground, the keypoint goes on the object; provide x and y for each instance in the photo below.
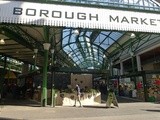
(152, 110)
(4, 118)
(19, 102)
(32, 103)
(91, 106)
(157, 102)
(120, 99)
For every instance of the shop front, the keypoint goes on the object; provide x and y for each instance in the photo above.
(153, 86)
(143, 86)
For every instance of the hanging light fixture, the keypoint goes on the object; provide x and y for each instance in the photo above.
(35, 51)
(76, 32)
(132, 35)
(2, 41)
(46, 46)
(52, 51)
(131, 53)
(33, 56)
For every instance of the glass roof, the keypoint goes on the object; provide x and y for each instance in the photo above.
(134, 4)
(87, 49)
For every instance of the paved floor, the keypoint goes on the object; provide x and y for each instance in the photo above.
(29, 110)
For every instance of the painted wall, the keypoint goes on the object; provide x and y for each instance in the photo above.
(81, 79)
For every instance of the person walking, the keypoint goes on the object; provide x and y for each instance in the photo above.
(78, 97)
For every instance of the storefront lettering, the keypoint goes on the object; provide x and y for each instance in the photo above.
(134, 20)
(55, 14)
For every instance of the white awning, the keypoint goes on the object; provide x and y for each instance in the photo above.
(76, 16)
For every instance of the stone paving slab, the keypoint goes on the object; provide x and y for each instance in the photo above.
(126, 111)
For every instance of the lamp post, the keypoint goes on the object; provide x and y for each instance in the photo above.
(44, 83)
(52, 80)
(132, 58)
(132, 36)
(35, 59)
(111, 67)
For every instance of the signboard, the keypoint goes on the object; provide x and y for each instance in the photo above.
(111, 99)
(76, 16)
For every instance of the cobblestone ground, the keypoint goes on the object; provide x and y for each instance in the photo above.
(126, 111)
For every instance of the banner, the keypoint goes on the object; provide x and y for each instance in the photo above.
(78, 17)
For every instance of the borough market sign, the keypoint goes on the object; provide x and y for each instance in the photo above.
(74, 16)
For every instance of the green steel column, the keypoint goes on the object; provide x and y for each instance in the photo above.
(111, 68)
(2, 77)
(53, 52)
(145, 86)
(52, 82)
(133, 65)
(133, 69)
(35, 60)
(44, 83)
(45, 66)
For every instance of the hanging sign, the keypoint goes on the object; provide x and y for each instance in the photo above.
(76, 16)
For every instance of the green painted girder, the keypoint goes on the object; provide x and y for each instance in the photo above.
(76, 55)
(139, 44)
(60, 53)
(68, 44)
(136, 43)
(78, 43)
(16, 37)
(62, 56)
(93, 36)
(76, 70)
(20, 36)
(116, 6)
(119, 48)
(13, 32)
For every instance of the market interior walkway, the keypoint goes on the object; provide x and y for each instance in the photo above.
(128, 110)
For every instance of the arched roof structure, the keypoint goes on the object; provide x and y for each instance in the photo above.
(89, 49)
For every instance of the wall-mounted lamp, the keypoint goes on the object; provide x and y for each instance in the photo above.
(2, 41)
